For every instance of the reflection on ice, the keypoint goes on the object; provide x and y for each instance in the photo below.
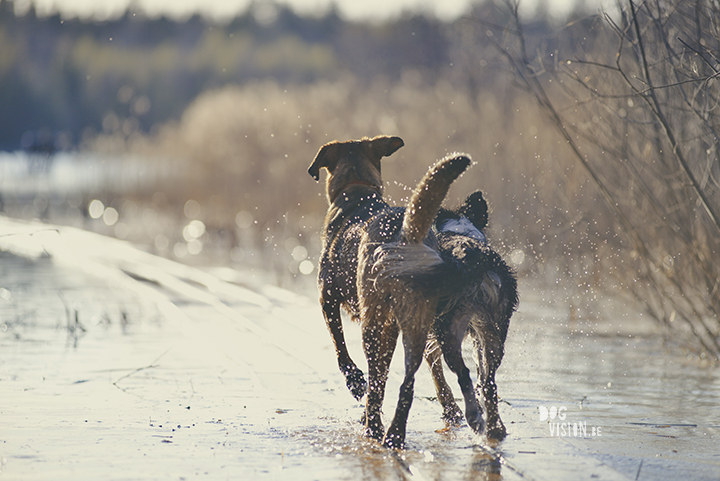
(123, 197)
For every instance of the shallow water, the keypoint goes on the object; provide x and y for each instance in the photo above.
(175, 373)
(656, 410)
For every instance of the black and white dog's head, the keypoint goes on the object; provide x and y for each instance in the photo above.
(470, 219)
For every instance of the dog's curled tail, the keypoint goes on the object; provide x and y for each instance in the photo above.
(409, 258)
(429, 194)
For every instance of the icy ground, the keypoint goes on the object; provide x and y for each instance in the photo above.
(116, 364)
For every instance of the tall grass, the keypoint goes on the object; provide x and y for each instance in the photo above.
(581, 171)
(635, 97)
(247, 149)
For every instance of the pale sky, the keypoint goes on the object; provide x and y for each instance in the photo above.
(223, 9)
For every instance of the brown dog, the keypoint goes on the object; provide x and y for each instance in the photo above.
(381, 264)
(354, 191)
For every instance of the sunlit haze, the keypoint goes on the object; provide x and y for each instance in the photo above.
(224, 9)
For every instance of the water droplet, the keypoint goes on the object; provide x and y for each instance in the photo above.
(96, 209)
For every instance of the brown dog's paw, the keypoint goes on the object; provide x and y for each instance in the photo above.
(355, 381)
(394, 441)
(374, 431)
(497, 432)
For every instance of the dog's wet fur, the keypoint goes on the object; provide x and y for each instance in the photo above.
(386, 267)
(481, 308)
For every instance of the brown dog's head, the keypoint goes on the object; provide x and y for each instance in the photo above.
(353, 162)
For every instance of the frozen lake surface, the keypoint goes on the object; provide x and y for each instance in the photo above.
(116, 364)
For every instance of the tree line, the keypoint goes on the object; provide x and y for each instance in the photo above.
(66, 78)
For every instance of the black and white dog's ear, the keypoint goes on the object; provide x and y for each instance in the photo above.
(325, 158)
(475, 208)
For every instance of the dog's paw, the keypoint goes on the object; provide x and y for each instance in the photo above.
(394, 441)
(452, 415)
(497, 431)
(475, 421)
(355, 381)
(374, 432)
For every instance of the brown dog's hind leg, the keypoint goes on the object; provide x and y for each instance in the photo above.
(354, 378)
(415, 325)
(452, 414)
(379, 343)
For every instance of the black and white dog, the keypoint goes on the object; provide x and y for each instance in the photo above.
(481, 308)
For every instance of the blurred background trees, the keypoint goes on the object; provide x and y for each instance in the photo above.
(636, 102)
(595, 135)
(77, 77)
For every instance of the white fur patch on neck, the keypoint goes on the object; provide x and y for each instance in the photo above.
(463, 226)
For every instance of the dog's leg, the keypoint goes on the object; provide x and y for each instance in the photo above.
(379, 343)
(354, 378)
(451, 338)
(479, 359)
(415, 325)
(491, 356)
(414, 347)
(451, 412)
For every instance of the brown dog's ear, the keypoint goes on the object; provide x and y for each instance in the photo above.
(325, 157)
(384, 146)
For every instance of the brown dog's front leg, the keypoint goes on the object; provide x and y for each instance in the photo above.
(354, 377)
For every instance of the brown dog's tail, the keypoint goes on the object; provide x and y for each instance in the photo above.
(429, 195)
(409, 258)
